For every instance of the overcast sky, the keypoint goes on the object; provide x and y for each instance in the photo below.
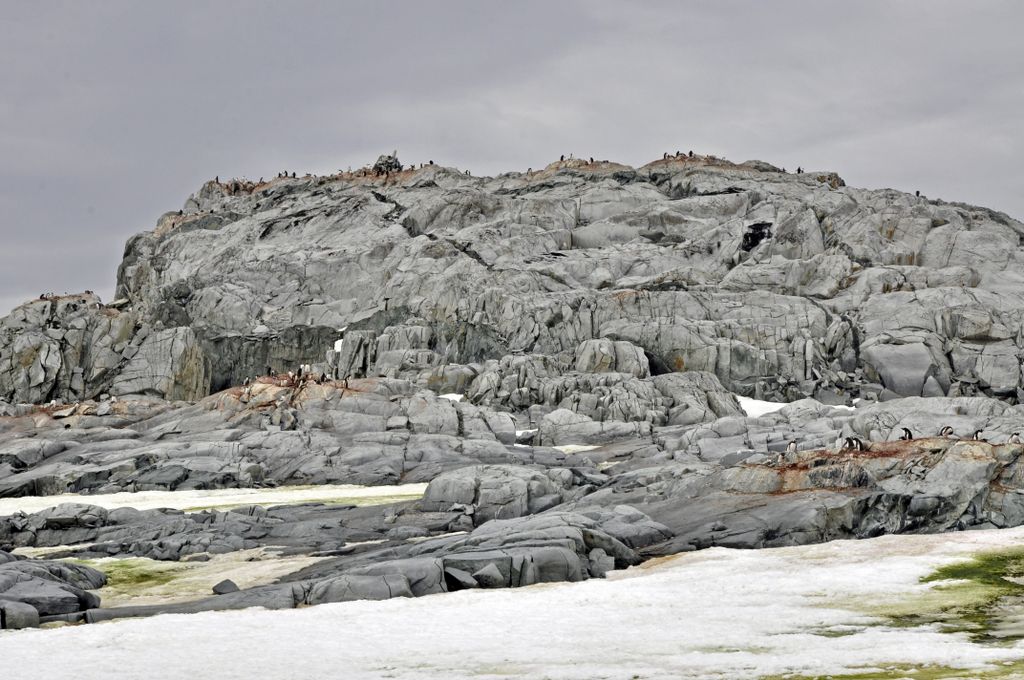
(112, 113)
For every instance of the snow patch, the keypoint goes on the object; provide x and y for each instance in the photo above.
(575, 448)
(715, 613)
(451, 396)
(221, 499)
(755, 408)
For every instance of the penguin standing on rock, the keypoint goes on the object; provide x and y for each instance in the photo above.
(977, 436)
(853, 444)
(1014, 438)
(791, 446)
(907, 434)
(946, 432)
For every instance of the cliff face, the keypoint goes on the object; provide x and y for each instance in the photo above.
(781, 285)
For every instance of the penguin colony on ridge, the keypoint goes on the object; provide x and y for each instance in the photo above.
(857, 444)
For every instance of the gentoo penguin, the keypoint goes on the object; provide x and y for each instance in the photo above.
(691, 153)
(246, 382)
(907, 434)
(854, 444)
(917, 193)
(791, 446)
(946, 431)
(562, 157)
(977, 436)
(1015, 438)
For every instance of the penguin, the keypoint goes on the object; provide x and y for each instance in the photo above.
(691, 153)
(946, 432)
(591, 159)
(853, 444)
(977, 436)
(217, 179)
(430, 162)
(799, 170)
(323, 377)
(562, 157)
(293, 175)
(1015, 438)
(791, 446)
(907, 435)
(917, 193)
(246, 382)
(664, 155)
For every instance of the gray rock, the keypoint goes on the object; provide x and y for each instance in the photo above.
(224, 587)
(489, 576)
(17, 615)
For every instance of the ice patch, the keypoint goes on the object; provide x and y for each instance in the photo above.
(715, 613)
(221, 499)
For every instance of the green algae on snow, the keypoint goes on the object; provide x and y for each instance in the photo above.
(129, 575)
(1012, 670)
(982, 596)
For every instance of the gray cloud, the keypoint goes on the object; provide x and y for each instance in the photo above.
(112, 113)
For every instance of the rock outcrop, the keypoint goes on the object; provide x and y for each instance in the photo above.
(557, 353)
(783, 286)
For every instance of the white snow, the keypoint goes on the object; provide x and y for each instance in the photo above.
(221, 499)
(451, 396)
(755, 408)
(575, 448)
(713, 614)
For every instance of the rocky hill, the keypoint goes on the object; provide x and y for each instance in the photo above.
(781, 285)
(566, 343)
